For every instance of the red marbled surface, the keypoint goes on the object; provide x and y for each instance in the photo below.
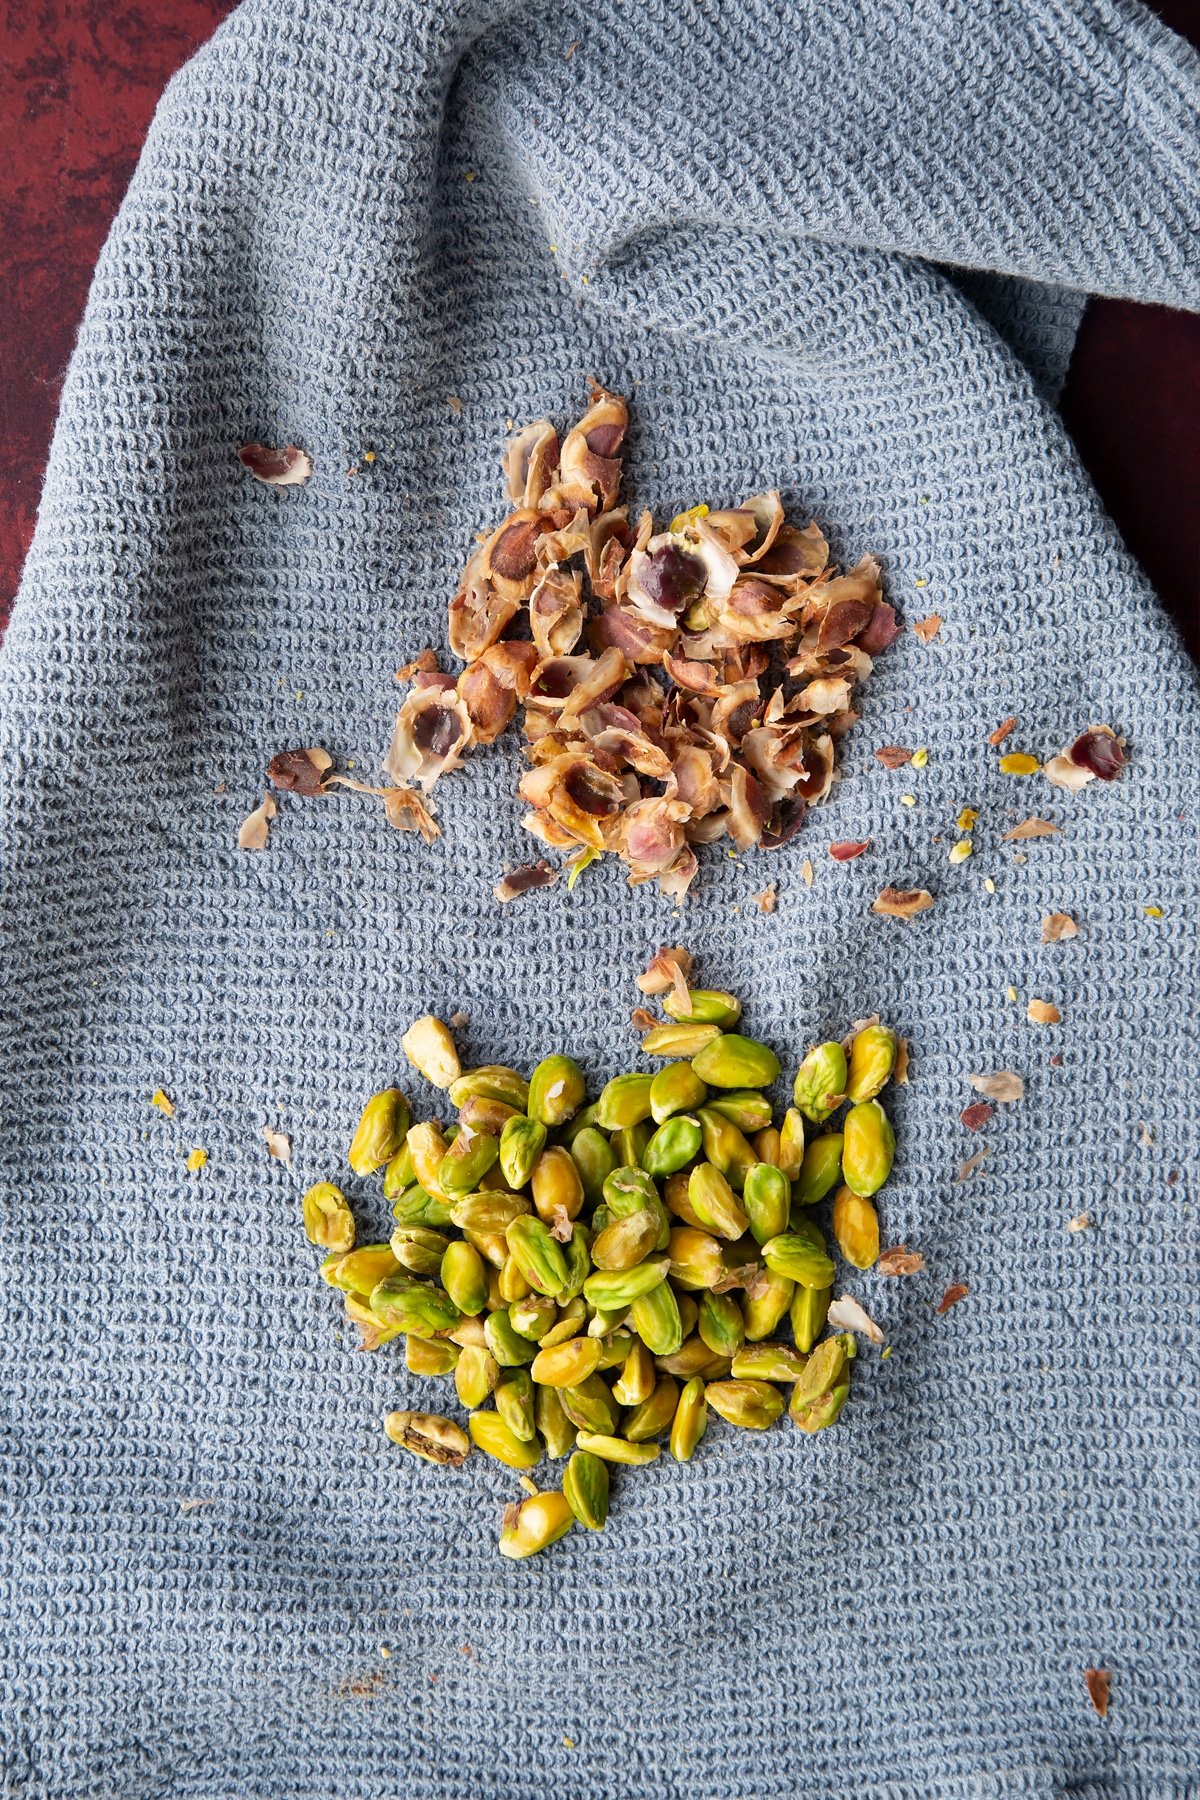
(78, 83)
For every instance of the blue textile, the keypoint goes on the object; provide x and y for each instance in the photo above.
(836, 248)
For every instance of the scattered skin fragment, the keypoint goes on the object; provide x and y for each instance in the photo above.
(642, 1020)
(1018, 762)
(976, 1116)
(403, 808)
(255, 829)
(279, 1144)
(1081, 1222)
(425, 663)
(194, 1503)
(568, 53)
(1145, 1137)
(1003, 1086)
(455, 404)
(1031, 828)
(847, 849)
(1043, 1012)
(901, 1261)
(902, 903)
(846, 1314)
(958, 1290)
(524, 880)
(165, 1106)
(893, 756)
(766, 900)
(196, 1160)
(1001, 732)
(900, 1068)
(459, 1020)
(1098, 1682)
(927, 629)
(667, 972)
(968, 1168)
(276, 468)
(807, 873)
(1057, 926)
(1096, 753)
(299, 771)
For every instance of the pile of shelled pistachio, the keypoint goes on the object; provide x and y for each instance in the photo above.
(606, 1273)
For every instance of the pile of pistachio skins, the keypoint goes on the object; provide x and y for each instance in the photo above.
(598, 1277)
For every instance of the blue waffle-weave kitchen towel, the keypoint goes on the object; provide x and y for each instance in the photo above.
(755, 220)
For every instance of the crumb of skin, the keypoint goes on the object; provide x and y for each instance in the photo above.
(454, 403)
(958, 1290)
(765, 901)
(968, 1168)
(927, 629)
(1098, 1683)
(1081, 1222)
(1001, 732)
(1043, 1012)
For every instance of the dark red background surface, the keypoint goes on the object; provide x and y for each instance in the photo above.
(78, 85)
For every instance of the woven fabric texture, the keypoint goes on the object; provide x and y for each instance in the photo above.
(755, 221)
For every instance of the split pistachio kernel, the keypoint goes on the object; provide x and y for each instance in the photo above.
(430, 1049)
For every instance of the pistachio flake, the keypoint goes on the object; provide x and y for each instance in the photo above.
(902, 903)
(901, 1261)
(846, 1314)
(1081, 1222)
(279, 1144)
(927, 629)
(277, 468)
(967, 1169)
(1098, 1682)
(765, 901)
(893, 756)
(847, 850)
(1043, 1012)
(1003, 1086)
(255, 828)
(299, 771)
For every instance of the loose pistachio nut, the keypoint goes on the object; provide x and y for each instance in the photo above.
(652, 1419)
(725, 1147)
(808, 1310)
(557, 1090)
(428, 1147)
(466, 1162)
(490, 1434)
(508, 1347)
(464, 1277)
(713, 1202)
(510, 1282)
(399, 1173)
(566, 1365)
(736, 1062)
(697, 1260)
(533, 1316)
(694, 1357)
(418, 1248)
(766, 1145)
(592, 1155)
(413, 1305)
(625, 1101)
(636, 1380)
(540, 1521)
(616, 1449)
(429, 1047)
(720, 1323)
(754, 1405)
(655, 1318)
(791, 1143)
(690, 1422)
(797, 1259)
(590, 1405)
(627, 1241)
(856, 1228)
(825, 1367)
(475, 1375)
(675, 1089)
(513, 1398)
(328, 1221)
(705, 1006)
(429, 1436)
(361, 1270)
(745, 1108)
(522, 1141)
(872, 1059)
(416, 1207)
(815, 1415)
(766, 1304)
(680, 1041)
(629, 1143)
(555, 1185)
(585, 1489)
(768, 1362)
(380, 1131)
(554, 1428)
(675, 1144)
(766, 1201)
(868, 1148)
(489, 1210)
(495, 1081)
(468, 1331)
(820, 1167)
(820, 1085)
(538, 1255)
(430, 1356)
(578, 1260)
(621, 1287)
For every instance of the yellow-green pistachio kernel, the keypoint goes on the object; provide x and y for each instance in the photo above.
(675, 1089)
(705, 1006)
(585, 1488)
(820, 1085)
(494, 1081)
(489, 1210)
(413, 1305)
(416, 1207)
(577, 1256)
(362, 1269)
(872, 1059)
(714, 1203)
(584, 1119)
(533, 1316)
(809, 1309)
(766, 1145)
(429, 1436)
(652, 1419)
(399, 1173)
(617, 1449)
(688, 1311)
(538, 1255)
(613, 1288)
(629, 1143)
(328, 1221)
(720, 1323)
(676, 1143)
(625, 1242)
(680, 1041)
(754, 1405)
(868, 1148)
(466, 1162)
(554, 1427)
(328, 1267)
(464, 1277)
(768, 1362)
(539, 1522)
(624, 1102)
(511, 1283)
(816, 1414)
(592, 1155)
(791, 1143)
(430, 1356)
(856, 1227)
(571, 1321)
(697, 1260)
(373, 1334)
(380, 1131)
(557, 1090)
(475, 1375)
(745, 1108)
(590, 1405)
(508, 1347)
(419, 1249)
(478, 1114)
(556, 1186)
(428, 1146)
(694, 1357)
(766, 1201)
(468, 1331)
(513, 1398)
(636, 1380)
(825, 1367)
(566, 1365)
(820, 1169)
(430, 1049)
(690, 1421)
(614, 1347)
(797, 1259)
(522, 1141)
(725, 1147)
(736, 1062)
(655, 1318)
(675, 1196)
(490, 1434)
(766, 1304)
